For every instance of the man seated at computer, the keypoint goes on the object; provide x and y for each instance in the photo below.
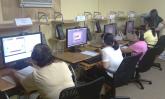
(138, 46)
(49, 79)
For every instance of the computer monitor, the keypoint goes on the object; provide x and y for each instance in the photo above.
(110, 28)
(18, 47)
(98, 26)
(76, 36)
(129, 28)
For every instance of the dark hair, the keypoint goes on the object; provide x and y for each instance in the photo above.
(150, 27)
(42, 55)
(153, 13)
(109, 40)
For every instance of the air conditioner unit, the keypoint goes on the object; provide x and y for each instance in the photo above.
(36, 3)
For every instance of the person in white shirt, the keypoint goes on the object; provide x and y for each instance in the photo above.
(111, 57)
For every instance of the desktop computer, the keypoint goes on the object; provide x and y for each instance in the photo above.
(129, 27)
(110, 28)
(76, 37)
(16, 49)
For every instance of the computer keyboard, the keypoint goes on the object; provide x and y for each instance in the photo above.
(93, 59)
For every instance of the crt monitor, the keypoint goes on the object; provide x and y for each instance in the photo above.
(76, 36)
(110, 28)
(15, 48)
(129, 28)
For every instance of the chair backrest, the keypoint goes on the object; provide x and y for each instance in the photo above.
(161, 42)
(148, 59)
(59, 32)
(69, 93)
(91, 90)
(126, 70)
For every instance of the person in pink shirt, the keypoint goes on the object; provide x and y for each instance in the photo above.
(138, 46)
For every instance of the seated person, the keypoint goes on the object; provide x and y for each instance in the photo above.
(139, 46)
(111, 57)
(49, 78)
(150, 36)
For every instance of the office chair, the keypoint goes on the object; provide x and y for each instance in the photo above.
(160, 44)
(145, 64)
(124, 74)
(60, 34)
(89, 90)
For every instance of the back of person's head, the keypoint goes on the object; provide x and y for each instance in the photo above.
(147, 26)
(139, 36)
(110, 40)
(153, 13)
(42, 55)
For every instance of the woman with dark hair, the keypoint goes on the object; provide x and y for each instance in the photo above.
(111, 54)
(154, 20)
(50, 76)
(150, 36)
(139, 46)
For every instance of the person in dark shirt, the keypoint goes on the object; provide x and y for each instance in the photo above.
(154, 20)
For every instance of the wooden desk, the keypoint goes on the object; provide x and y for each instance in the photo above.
(5, 85)
(71, 57)
(75, 57)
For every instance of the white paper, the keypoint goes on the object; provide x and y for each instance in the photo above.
(23, 21)
(26, 71)
(9, 79)
(90, 53)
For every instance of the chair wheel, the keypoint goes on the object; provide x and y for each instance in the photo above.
(160, 69)
(142, 88)
(150, 83)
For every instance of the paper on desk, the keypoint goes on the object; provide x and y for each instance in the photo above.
(90, 53)
(26, 71)
(9, 79)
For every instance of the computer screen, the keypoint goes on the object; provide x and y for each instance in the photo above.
(98, 27)
(129, 28)
(110, 28)
(76, 36)
(19, 47)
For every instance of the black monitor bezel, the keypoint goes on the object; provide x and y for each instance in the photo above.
(67, 36)
(2, 50)
(127, 26)
(113, 24)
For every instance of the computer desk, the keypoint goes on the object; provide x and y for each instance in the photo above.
(5, 86)
(75, 57)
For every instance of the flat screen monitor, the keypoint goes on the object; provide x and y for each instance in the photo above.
(129, 28)
(76, 36)
(110, 28)
(18, 47)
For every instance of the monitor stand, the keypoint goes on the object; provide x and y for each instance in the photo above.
(74, 49)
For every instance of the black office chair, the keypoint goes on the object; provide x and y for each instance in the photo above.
(160, 43)
(89, 90)
(146, 63)
(124, 74)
